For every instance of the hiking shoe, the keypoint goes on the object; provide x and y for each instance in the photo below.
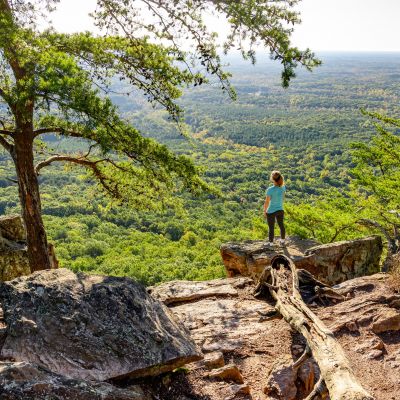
(269, 245)
(282, 242)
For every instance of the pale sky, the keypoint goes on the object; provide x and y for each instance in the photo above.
(328, 25)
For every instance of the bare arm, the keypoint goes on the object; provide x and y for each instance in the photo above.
(266, 204)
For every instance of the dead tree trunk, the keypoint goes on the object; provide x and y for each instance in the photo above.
(334, 366)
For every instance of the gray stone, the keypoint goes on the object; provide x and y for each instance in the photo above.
(340, 261)
(12, 228)
(27, 381)
(238, 390)
(214, 360)
(91, 327)
(387, 319)
(374, 354)
(223, 324)
(297, 349)
(182, 291)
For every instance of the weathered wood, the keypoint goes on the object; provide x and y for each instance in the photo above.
(311, 289)
(319, 391)
(334, 366)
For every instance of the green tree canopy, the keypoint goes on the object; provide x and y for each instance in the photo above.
(372, 201)
(377, 179)
(59, 83)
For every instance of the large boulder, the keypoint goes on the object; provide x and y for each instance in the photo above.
(27, 381)
(13, 251)
(91, 327)
(331, 263)
(224, 324)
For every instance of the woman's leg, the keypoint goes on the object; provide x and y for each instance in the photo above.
(271, 226)
(279, 219)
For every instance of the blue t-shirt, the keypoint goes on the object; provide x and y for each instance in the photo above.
(276, 193)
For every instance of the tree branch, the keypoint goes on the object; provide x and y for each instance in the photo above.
(89, 164)
(335, 368)
(377, 225)
(6, 132)
(76, 160)
(391, 241)
(7, 145)
(59, 130)
(338, 231)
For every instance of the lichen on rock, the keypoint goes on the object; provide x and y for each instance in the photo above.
(91, 326)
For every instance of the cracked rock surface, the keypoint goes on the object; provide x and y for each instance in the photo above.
(91, 327)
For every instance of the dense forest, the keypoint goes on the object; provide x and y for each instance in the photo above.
(305, 131)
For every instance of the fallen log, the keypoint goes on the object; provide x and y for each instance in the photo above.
(311, 289)
(336, 372)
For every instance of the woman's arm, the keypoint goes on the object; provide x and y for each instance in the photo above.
(266, 204)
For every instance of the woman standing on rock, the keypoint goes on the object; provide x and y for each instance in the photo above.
(273, 206)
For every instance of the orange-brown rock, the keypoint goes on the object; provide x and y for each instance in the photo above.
(229, 373)
(388, 319)
(281, 382)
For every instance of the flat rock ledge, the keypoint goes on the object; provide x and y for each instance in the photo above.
(91, 327)
(332, 263)
(176, 292)
(248, 353)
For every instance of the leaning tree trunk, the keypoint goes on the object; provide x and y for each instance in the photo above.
(30, 202)
(334, 366)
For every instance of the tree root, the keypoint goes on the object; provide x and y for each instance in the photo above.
(336, 373)
(303, 358)
(319, 390)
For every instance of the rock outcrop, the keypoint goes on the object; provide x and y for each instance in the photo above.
(91, 327)
(371, 304)
(234, 335)
(13, 252)
(13, 261)
(241, 329)
(331, 263)
(223, 324)
(26, 381)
